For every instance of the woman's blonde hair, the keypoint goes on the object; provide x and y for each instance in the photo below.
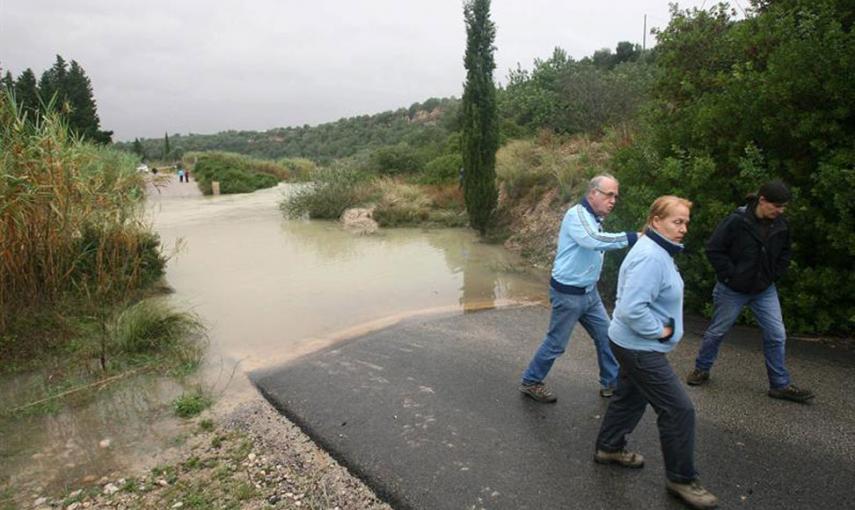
(663, 206)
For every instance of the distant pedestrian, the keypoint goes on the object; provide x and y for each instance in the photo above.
(750, 251)
(647, 324)
(181, 174)
(573, 288)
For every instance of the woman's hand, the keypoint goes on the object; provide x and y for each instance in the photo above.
(667, 332)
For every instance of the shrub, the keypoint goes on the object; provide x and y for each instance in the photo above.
(235, 173)
(334, 189)
(299, 169)
(442, 170)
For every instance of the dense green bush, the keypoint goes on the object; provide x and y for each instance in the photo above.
(737, 103)
(395, 159)
(235, 173)
(442, 170)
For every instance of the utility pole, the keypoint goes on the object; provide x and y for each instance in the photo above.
(644, 36)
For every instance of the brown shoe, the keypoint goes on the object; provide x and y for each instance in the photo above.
(620, 457)
(539, 392)
(697, 377)
(791, 392)
(693, 494)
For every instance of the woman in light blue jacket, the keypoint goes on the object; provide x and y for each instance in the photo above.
(647, 324)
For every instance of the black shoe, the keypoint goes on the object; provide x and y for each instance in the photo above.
(539, 392)
(791, 392)
(697, 377)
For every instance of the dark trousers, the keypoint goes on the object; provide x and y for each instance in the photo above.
(647, 378)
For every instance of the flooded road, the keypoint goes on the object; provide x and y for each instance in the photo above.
(269, 289)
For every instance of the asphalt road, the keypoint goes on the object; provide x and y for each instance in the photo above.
(428, 413)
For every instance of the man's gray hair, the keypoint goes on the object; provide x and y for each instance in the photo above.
(596, 181)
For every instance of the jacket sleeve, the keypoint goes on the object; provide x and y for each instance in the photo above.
(783, 261)
(718, 248)
(587, 234)
(642, 283)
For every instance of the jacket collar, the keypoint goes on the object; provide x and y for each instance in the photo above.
(587, 206)
(671, 247)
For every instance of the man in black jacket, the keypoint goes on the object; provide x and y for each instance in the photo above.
(749, 251)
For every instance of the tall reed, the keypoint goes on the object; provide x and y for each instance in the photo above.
(70, 218)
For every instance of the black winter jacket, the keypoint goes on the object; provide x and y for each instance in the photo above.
(741, 259)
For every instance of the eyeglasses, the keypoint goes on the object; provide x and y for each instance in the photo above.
(609, 194)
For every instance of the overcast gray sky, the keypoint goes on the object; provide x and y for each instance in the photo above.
(208, 66)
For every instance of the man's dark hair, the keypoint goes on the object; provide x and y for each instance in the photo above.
(775, 191)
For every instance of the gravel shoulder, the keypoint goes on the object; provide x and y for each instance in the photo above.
(239, 455)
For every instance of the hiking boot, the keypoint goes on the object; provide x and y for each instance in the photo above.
(607, 392)
(791, 392)
(620, 457)
(697, 377)
(692, 493)
(538, 391)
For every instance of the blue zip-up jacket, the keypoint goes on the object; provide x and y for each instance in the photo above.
(649, 296)
(581, 243)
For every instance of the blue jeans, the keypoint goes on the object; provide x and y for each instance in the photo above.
(567, 310)
(767, 310)
(647, 377)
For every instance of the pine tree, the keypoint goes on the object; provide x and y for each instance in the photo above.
(480, 135)
(83, 116)
(52, 84)
(27, 94)
(7, 83)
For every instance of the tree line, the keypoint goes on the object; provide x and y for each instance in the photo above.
(64, 88)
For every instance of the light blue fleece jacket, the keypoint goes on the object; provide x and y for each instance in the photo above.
(649, 296)
(581, 243)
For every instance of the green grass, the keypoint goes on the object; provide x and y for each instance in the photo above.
(191, 404)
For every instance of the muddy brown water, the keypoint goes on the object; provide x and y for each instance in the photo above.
(269, 289)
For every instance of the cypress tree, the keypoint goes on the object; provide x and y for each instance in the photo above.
(480, 137)
(166, 149)
(138, 149)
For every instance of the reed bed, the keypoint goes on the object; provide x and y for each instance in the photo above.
(70, 220)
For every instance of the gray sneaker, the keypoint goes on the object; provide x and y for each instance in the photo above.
(620, 457)
(791, 392)
(697, 377)
(539, 392)
(693, 494)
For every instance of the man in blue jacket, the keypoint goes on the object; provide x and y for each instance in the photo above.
(573, 288)
(749, 251)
